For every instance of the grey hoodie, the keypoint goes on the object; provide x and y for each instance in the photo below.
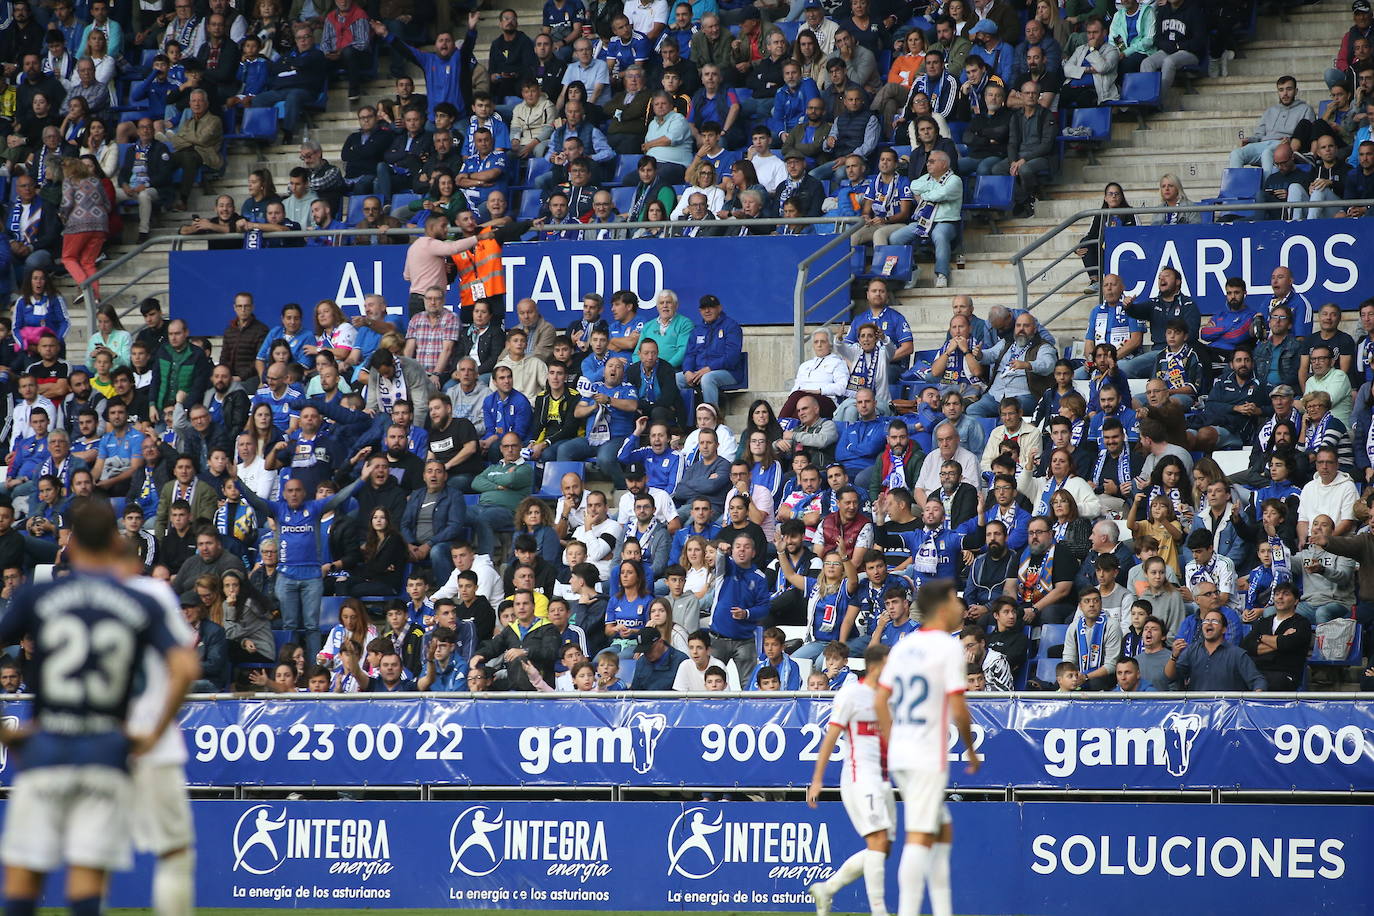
(1280, 121)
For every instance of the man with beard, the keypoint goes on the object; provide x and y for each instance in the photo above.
(402, 463)
(81, 397)
(1022, 368)
(1116, 468)
(990, 570)
(897, 466)
(308, 454)
(1043, 584)
(1280, 437)
(226, 399)
(846, 530)
(1232, 409)
(959, 498)
(1239, 325)
(895, 518)
(936, 552)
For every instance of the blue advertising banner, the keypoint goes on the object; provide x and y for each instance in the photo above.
(1027, 742)
(753, 277)
(746, 857)
(1324, 255)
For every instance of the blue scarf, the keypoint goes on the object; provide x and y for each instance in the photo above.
(1123, 466)
(16, 220)
(1091, 643)
(1317, 433)
(1042, 508)
(1278, 553)
(1260, 587)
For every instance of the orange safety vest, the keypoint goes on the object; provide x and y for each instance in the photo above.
(480, 274)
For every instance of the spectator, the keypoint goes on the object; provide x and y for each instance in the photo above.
(713, 353)
(1180, 40)
(1043, 584)
(1029, 148)
(85, 221)
(1091, 71)
(1021, 368)
(1275, 127)
(37, 229)
(297, 80)
(502, 485)
(855, 131)
(1212, 664)
(1331, 493)
(527, 638)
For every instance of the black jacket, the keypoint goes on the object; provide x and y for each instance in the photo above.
(669, 397)
(391, 497)
(541, 643)
(223, 79)
(987, 135)
(361, 157)
(555, 429)
(489, 347)
(160, 168)
(414, 158)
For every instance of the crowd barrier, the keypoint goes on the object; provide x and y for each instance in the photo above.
(1324, 255)
(1034, 858)
(1025, 741)
(752, 277)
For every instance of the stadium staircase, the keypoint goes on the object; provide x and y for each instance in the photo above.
(1191, 138)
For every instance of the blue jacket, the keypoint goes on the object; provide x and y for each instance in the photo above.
(658, 675)
(860, 442)
(447, 522)
(746, 588)
(789, 105)
(443, 77)
(1226, 394)
(947, 546)
(718, 345)
(213, 649)
(513, 415)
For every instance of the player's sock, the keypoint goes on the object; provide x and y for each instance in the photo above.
(88, 906)
(911, 878)
(875, 868)
(937, 881)
(173, 885)
(21, 907)
(847, 873)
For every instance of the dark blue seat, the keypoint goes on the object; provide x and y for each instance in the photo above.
(1096, 120)
(626, 166)
(1242, 185)
(993, 195)
(551, 485)
(1140, 92)
(529, 206)
(623, 198)
(258, 124)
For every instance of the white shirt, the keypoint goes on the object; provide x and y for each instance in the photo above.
(929, 478)
(1335, 499)
(599, 550)
(664, 509)
(827, 374)
(147, 707)
(489, 584)
(852, 708)
(644, 16)
(922, 670)
(19, 417)
(715, 201)
(258, 479)
(689, 678)
(1221, 572)
(770, 170)
(574, 514)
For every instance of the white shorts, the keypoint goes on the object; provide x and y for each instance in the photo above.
(871, 806)
(923, 799)
(161, 821)
(68, 815)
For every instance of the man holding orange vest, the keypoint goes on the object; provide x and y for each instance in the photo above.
(481, 277)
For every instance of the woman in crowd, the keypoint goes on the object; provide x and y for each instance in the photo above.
(352, 625)
(1090, 246)
(534, 517)
(761, 420)
(831, 600)
(384, 559)
(661, 619)
(110, 334)
(39, 308)
(1171, 194)
(85, 213)
(247, 624)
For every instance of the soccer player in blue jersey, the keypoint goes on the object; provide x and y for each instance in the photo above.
(70, 804)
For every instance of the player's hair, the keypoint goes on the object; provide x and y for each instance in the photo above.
(875, 655)
(932, 595)
(92, 524)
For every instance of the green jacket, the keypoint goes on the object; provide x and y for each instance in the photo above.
(517, 479)
(186, 370)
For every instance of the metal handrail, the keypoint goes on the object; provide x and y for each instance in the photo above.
(805, 281)
(1019, 258)
(175, 241)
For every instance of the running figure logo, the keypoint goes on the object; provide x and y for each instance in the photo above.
(479, 826)
(645, 730)
(1180, 731)
(263, 827)
(697, 839)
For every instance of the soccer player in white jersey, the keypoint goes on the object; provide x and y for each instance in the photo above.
(69, 804)
(922, 684)
(864, 786)
(161, 821)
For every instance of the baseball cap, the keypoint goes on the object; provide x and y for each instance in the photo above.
(647, 637)
(634, 469)
(983, 26)
(708, 302)
(1360, 6)
(1281, 391)
(794, 155)
(816, 5)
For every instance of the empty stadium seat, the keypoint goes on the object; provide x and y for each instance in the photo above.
(993, 195)
(1140, 92)
(1237, 186)
(623, 198)
(329, 612)
(529, 206)
(626, 166)
(1098, 121)
(258, 124)
(1232, 461)
(1051, 634)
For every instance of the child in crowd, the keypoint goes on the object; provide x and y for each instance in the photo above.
(608, 672)
(974, 679)
(1133, 635)
(817, 680)
(836, 659)
(1067, 677)
(1009, 637)
(715, 678)
(768, 678)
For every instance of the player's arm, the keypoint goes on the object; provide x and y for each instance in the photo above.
(832, 735)
(183, 668)
(884, 711)
(958, 709)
